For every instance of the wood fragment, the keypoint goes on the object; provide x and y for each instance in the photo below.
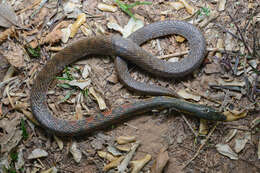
(123, 166)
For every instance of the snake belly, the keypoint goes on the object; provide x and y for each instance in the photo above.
(129, 50)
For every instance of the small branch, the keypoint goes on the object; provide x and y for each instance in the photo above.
(187, 122)
(227, 31)
(186, 52)
(201, 146)
(241, 35)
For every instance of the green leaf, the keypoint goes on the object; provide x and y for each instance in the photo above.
(85, 92)
(24, 131)
(204, 11)
(14, 156)
(67, 96)
(66, 75)
(34, 52)
(65, 86)
(126, 7)
(62, 78)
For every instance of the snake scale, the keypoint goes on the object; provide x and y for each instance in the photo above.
(124, 50)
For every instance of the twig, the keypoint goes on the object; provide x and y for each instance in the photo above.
(187, 122)
(7, 81)
(129, 125)
(201, 146)
(213, 49)
(241, 35)
(227, 31)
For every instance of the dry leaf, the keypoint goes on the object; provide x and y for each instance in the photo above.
(128, 29)
(66, 34)
(123, 148)
(123, 165)
(86, 71)
(125, 139)
(10, 32)
(12, 134)
(15, 56)
(190, 9)
(113, 150)
(76, 153)
(183, 93)
(139, 164)
(179, 39)
(106, 155)
(86, 31)
(160, 162)
(100, 100)
(113, 164)
(240, 143)
(225, 150)
(59, 142)
(37, 153)
(56, 34)
(81, 84)
(75, 26)
(106, 7)
(7, 16)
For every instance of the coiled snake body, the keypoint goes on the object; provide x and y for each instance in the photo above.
(129, 50)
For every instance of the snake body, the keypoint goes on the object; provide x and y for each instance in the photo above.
(129, 50)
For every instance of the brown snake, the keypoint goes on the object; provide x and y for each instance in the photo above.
(130, 51)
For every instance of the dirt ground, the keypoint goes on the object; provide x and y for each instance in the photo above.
(227, 80)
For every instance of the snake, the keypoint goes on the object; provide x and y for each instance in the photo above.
(125, 50)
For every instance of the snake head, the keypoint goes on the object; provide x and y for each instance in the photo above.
(210, 113)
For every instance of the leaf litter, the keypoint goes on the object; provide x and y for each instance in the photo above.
(239, 71)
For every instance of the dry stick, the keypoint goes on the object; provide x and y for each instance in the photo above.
(186, 52)
(244, 42)
(187, 122)
(227, 31)
(201, 146)
(241, 35)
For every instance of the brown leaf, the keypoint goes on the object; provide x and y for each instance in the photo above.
(7, 34)
(7, 16)
(15, 56)
(161, 161)
(56, 34)
(12, 133)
